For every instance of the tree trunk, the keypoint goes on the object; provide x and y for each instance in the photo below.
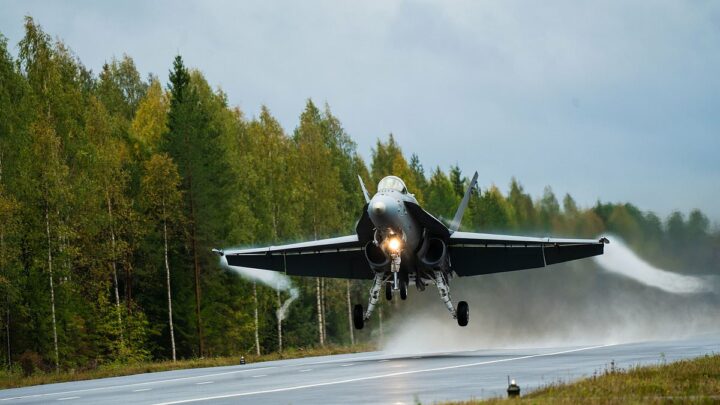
(196, 262)
(257, 321)
(7, 293)
(114, 269)
(7, 330)
(319, 312)
(382, 333)
(349, 307)
(324, 312)
(279, 323)
(52, 288)
(169, 291)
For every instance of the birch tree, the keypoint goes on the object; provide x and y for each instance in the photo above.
(163, 200)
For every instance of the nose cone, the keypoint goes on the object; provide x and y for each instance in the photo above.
(378, 207)
(383, 210)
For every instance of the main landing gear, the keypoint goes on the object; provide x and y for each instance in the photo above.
(358, 320)
(359, 317)
(462, 314)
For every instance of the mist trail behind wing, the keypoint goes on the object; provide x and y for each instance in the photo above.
(616, 298)
(620, 259)
(272, 279)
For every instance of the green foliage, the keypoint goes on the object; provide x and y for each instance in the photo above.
(441, 198)
(686, 381)
(95, 169)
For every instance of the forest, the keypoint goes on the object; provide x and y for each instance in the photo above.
(114, 188)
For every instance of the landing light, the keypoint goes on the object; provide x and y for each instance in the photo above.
(394, 244)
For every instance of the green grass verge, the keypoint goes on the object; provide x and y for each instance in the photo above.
(686, 381)
(15, 378)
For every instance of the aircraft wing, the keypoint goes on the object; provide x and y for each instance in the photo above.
(341, 257)
(473, 254)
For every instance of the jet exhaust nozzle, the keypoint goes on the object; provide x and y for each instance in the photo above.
(375, 256)
(433, 254)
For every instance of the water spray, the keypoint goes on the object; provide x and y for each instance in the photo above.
(276, 281)
(620, 259)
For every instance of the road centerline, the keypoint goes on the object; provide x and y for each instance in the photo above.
(110, 387)
(374, 377)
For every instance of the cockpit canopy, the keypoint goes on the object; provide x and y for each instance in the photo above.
(392, 183)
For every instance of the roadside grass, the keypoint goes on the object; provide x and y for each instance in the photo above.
(686, 381)
(14, 378)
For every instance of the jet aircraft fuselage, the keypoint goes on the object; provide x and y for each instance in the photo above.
(397, 244)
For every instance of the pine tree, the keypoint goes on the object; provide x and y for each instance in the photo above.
(442, 201)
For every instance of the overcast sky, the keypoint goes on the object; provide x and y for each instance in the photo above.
(611, 100)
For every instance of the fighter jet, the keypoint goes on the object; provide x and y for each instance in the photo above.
(398, 244)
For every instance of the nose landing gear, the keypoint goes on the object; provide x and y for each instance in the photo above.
(401, 285)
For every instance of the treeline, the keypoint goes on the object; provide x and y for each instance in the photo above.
(114, 189)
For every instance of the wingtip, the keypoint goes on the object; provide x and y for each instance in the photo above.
(219, 252)
(604, 240)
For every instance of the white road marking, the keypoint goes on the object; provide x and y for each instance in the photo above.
(65, 399)
(143, 390)
(204, 382)
(347, 365)
(110, 387)
(305, 370)
(383, 361)
(260, 375)
(379, 376)
(374, 356)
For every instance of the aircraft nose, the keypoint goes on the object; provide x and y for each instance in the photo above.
(379, 207)
(383, 210)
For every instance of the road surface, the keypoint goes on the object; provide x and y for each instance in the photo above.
(365, 378)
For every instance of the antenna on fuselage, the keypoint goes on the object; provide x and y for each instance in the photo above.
(455, 224)
(364, 190)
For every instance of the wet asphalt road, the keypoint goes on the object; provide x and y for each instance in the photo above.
(363, 378)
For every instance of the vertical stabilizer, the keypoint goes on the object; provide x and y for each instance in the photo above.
(364, 190)
(455, 224)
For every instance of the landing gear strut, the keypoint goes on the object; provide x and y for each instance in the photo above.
(374, 296)
(462, 314)
(400, 285)
(444, 291)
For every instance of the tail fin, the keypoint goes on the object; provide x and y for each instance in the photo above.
(364, 190)
(455, 224)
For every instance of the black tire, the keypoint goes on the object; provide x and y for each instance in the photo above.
(463, 313)
(388, 292)
(403, 290)
(358, 316)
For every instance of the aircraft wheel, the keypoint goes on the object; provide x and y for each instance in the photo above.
(463, 313)
(403, 290)
(388, 292)
(358, 316)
